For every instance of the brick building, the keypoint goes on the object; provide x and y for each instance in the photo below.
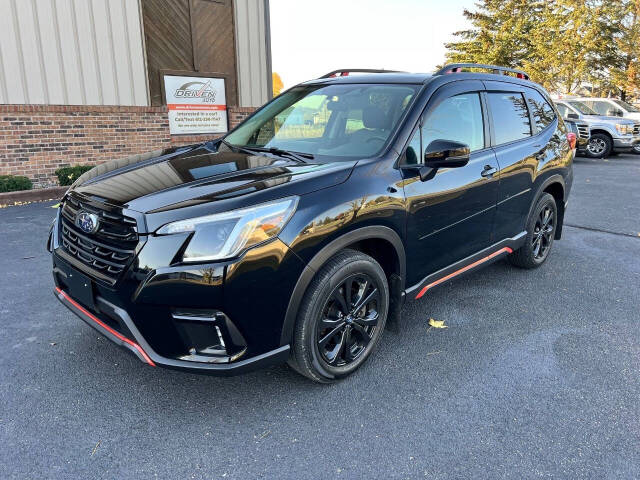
(86, 81)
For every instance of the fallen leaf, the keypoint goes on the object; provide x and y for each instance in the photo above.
(55, 206)
(52, 344)
(437, 323)
(434, 353)
(96, 447)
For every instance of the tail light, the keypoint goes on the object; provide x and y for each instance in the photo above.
(572, 139)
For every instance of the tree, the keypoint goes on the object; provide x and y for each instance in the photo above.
(500, 33)
(277, 84)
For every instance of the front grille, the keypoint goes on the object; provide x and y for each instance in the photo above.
(583, 130)
(636, 129)
(108, 251)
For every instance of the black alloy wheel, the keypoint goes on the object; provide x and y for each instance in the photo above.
(543, 233)
(541, 230)
(341, 317)
(349, 319)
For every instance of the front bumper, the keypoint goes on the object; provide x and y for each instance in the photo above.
(219, 318)
(626, 143)
(141, 349)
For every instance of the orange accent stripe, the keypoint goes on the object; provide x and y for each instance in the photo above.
(106, 327)
(463, 269)
(204, 106)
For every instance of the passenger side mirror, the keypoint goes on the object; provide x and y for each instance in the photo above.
(572, 116)
(614, 112)
(446, 153)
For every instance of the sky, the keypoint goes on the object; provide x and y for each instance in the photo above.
(312, 37)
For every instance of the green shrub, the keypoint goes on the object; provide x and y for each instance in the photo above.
(11, 183)
(68, 175)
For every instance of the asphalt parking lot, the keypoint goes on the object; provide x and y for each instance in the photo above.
(536, 376)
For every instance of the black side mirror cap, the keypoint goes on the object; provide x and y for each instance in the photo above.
(446, 153)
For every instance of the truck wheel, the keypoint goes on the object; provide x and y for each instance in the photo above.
(636, 149)
(341, 318)
(599, 146)
(541, 228)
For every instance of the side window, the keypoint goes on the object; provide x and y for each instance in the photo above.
(510, 116)
(562, 110)
(457, 118)
(541, 111)
(601, 108)
(413, 154)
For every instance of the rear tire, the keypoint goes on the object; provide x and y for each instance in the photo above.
(599, 146)
(341, 317)
(541, 228)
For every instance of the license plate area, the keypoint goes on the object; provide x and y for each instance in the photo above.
(79, 286)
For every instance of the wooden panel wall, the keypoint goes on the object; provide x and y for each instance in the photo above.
(189, 36)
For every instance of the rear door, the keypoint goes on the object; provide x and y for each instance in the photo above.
(451, 214)
(518, 152)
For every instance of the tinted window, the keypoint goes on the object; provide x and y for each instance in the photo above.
(457, 118)
(541, 111)
(562, 109)
(413, 155)
(510, 116)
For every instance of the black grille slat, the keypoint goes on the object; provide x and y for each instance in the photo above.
(107, 252)
(636, 129)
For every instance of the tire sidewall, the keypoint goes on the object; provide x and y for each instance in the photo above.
(318, 296)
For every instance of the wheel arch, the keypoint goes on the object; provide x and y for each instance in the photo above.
(379, 242)
(555, 186)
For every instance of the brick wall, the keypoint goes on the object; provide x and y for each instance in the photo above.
(35, 140)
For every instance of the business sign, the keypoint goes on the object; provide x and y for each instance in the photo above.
(196, 104)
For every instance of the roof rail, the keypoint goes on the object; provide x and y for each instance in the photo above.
(344, 72)
(457, 68)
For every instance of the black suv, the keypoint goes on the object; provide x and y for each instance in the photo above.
(300, 234)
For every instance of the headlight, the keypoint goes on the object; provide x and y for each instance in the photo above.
(227, 234)
(624, 128)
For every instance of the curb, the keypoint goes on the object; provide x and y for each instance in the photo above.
(26, 196)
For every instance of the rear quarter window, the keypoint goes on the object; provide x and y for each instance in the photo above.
(541, 111)
(509, 115)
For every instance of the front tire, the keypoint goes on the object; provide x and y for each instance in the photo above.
(636, 149)
(599, 146)
(541, 228)
(341, 318)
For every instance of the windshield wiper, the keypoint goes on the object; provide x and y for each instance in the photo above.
(297, 156)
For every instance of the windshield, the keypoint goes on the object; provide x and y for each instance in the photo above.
(626, 106)
(353, 120)
(582, 108)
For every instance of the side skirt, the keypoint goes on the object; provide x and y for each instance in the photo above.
(469, 264)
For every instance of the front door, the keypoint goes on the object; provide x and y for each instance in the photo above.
(450, 215)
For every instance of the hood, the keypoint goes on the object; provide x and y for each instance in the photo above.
(604, 120)
(633, 116)
(180, 177)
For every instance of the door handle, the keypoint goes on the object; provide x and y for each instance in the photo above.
(488, 171)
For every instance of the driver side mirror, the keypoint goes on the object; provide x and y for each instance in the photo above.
(446, 153)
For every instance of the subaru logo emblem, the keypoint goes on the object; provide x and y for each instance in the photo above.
(87, 222)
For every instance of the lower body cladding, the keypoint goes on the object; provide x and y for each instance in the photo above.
(220, 319)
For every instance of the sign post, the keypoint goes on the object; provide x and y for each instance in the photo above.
(196, 104)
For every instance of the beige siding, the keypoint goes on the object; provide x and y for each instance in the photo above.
(252, 52)
(72, 52)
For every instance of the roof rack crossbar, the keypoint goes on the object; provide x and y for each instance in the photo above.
(343, 72)
(498, 70)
